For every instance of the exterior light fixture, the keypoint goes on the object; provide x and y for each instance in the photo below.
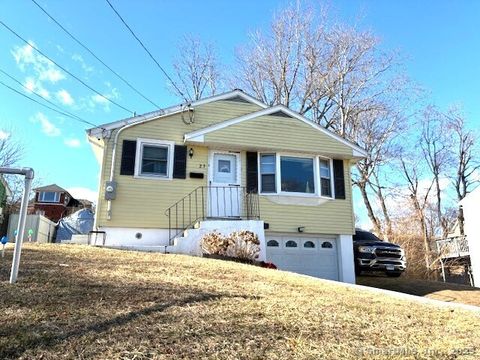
(190, 153)
(301, 229)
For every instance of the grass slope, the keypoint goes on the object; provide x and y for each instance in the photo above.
(431, 289)
(84, 302)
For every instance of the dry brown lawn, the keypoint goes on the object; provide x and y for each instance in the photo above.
(84, 302)
(437, 290)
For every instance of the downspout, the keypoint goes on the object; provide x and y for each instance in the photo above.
(112, 165)
(114, 149)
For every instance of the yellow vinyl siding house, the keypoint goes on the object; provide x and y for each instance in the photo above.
(225, 163)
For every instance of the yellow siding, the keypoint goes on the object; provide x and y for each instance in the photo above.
(278, 133)
(141, 203)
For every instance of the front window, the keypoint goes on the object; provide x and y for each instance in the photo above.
(325, 178)
(290, 175)
(267, 173)
(297, 175)
(154, 159)
(49, 196)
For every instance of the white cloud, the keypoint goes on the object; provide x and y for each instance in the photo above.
(26, 57)
(4, 135)
(48, 128)
(78, 58)
(65, 97)
(74, 143)
(36, 86)
(101, 101)
(83, 193)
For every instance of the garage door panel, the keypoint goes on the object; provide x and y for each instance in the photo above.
(309, 257)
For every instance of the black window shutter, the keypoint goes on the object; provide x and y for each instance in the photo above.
(180, 162)
(339, 179)
(252, 172)
(127, 166)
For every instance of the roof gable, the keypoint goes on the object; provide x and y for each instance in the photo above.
(51, 187)
(277, 111)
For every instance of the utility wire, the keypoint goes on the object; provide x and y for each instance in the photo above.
(92, 53)
(39, 103)
(78, 118)
(61, 67)
(148, 52)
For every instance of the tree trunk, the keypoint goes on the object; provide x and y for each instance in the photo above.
(368, 205)
(423, 226)
(388, 222)
(461, 220)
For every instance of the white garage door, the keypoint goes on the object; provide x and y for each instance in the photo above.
(310, 256)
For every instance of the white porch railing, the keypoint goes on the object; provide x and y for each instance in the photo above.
(453, 247)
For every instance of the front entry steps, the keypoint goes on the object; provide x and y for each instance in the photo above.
(189, 243)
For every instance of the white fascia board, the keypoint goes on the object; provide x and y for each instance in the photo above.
(99, 130)
(196, 139)
(357, 150)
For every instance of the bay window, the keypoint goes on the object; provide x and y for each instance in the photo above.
(296, 175)
(267, 171)
(285, 174)
(325, 178)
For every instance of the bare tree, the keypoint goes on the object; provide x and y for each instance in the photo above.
(464, 153)
(11, 150)
(337, 76)
(419, 198)
(196, 69)
(435, 144)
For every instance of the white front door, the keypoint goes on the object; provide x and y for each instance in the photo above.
(225, 194)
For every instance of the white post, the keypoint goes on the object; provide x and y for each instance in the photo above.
(29, 174)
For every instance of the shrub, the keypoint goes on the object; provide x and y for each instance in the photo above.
(215, 243)
(239, 244)
(244, 245)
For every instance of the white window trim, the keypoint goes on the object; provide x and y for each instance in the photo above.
(41, 197)
(332, 183)
(138, 158)
(278, 180)
(260, 173)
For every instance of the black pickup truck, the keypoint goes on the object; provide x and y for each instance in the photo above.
(372, 254)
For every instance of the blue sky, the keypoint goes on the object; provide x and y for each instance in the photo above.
(440, 41)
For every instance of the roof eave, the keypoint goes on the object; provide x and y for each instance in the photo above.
(100, 130)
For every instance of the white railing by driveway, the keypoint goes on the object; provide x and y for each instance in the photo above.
(452, 247)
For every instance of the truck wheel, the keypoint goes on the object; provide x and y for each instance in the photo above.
(394, 273)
